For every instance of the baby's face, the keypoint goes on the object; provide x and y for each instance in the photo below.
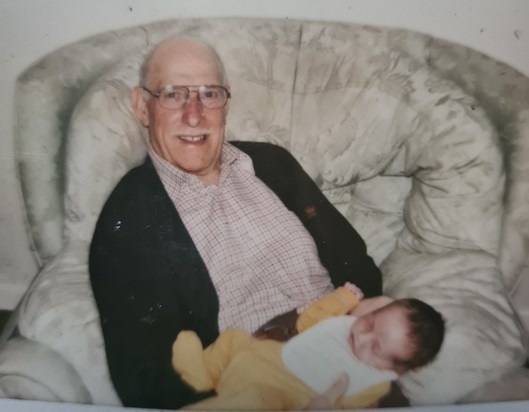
(380, 338)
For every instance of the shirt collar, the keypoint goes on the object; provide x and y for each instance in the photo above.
(233, 160)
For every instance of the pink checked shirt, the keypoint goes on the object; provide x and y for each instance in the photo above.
(260, 258)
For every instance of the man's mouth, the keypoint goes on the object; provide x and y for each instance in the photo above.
(192, 139)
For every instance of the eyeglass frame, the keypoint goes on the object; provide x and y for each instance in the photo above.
(189, 91)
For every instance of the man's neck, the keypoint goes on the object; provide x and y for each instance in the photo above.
(211, 178)
(179, 177)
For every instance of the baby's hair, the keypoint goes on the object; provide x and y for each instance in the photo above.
(427, 330)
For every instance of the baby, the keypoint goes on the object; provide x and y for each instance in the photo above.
(372, 348)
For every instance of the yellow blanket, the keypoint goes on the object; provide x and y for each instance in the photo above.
(248, 373)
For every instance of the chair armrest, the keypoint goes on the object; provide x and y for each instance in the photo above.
(29, 370)
(60, 313)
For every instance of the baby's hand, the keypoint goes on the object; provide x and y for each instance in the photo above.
(370, 304)
(354, 289)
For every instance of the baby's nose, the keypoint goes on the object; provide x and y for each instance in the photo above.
(364, 341)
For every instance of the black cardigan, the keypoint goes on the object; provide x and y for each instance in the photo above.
(150, 282)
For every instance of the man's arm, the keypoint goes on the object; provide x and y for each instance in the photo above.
(338, 302)
(137, 330)
(145, 295)
(280, 328)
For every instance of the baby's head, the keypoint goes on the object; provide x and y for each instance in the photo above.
(403, 335)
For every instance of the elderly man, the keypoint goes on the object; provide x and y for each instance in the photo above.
(206, 234)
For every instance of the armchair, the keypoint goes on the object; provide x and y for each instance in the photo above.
(419, 142)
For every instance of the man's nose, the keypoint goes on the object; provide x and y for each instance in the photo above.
(192, 111)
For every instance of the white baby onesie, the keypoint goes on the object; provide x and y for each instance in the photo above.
(322, 352)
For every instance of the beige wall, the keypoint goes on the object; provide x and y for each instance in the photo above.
(29, 29)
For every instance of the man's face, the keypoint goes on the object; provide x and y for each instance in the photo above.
(380, 338)
(190, 137)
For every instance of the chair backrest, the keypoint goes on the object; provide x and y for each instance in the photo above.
(297, 84)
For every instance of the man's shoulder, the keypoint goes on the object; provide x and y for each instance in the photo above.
(261, 149)
(136, 181)
(135, 193)
(270, 161)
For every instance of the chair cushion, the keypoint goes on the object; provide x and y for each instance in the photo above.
(374, 113)
(30, 370)
(104, 142)
(59, 312)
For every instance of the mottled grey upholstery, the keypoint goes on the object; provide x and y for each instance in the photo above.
(420, 143)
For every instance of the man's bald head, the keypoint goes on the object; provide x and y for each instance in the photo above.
(183, 48)
(191, 135)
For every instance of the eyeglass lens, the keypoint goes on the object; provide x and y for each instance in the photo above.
(212, 97)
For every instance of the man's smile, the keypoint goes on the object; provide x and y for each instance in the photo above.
(193, 139)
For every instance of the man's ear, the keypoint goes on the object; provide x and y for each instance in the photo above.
(227, 107)
(139, 106)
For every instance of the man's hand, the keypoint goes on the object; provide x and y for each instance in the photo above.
(329, 398)
(281, 328)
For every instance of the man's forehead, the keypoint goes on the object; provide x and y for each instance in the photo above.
(183, 49)
(181, 58)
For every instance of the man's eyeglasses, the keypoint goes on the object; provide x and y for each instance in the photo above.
(174, 97)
